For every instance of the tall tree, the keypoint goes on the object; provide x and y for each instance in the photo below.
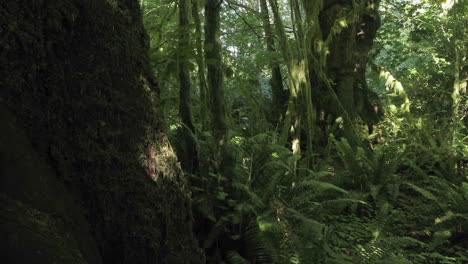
(299, 87)
(279, 94)
(75, 82)
(457, 26)
(347, 30)
(213, 59)
(188, 157)
(203, 86)
(332, 43)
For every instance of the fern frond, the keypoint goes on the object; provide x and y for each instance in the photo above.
(233, 257)
(307, 223)
(401, 242)
(439, 238)
(387, 250)
(245, 208)
(258, 245)
(451, 216)
(269, 224)
(253, 197)
(320, 174)
(340, 204)
(425, 193)
(375, 190)
(320, 186)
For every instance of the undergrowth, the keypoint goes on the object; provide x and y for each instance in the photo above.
(403, 200)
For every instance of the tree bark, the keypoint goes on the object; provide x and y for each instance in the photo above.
(76, 76)
(346, 63)
(204, 94)
(300, 90)
(188, 157)
(279, 94)
(213, 59)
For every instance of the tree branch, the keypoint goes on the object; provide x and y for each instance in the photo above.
(243, 19)
(235, 3)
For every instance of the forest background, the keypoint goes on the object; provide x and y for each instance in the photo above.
(233, 131)
(324, 131)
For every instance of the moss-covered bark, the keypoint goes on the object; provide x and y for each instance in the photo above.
(36, 211)
(203, 86)
(300, 108)
(214, 62)
(189, 157)
(215, 81)
(76, 75)
(279, 94)
(348, 28)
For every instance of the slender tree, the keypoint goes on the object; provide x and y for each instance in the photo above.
(213, 59)
(279, 93)
(205, 113)
(460, 76)
(188, 157)
(300, 90)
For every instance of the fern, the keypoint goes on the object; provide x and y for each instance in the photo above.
(306, 222)
(253, 197)
(258, 245)
(426, 194)
(319, 186)
(340, 204)
(401, 242)
(439, 238)
(233, 257)
(388, 249)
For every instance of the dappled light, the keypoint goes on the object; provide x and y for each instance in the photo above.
(340, 169)
(234, 131)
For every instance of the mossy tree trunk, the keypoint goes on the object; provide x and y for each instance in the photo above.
(188, 157)
(213, 59)
(348, 28)
(460, 69)
(327, 73)
(203, 86)
(460, 81)
(300, 108)
(279, 94)
(77, 77)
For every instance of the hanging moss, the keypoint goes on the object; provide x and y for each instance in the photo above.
(348, 29)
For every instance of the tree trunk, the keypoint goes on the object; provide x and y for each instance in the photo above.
(300, 102)
(188, 157)
(204, 95)
(213, 59)
(76, 76)
(279, 94)
(348, 55)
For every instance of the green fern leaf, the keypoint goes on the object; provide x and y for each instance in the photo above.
(425, 193)
(320, 186)
(233, 257)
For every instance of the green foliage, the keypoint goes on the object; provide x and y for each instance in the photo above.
(396, 198)
(371, 171)
(234, 258)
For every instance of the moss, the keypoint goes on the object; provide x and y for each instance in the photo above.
(31, 236)
(352, 27)
(26, 177)
(76, 74)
